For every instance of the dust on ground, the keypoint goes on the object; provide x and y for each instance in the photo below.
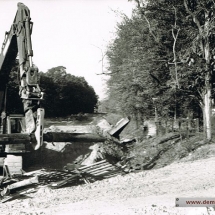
(145, 192)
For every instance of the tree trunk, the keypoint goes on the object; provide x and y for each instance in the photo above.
(207, 96)
(205, 30)
(207, 113)
(208, 87)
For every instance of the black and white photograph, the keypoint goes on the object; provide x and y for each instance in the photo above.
(107, 107)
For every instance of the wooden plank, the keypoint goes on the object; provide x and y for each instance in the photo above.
(65, 181)
(95, 167)
(99, 171)
(108, 173)
(94, 164)
(36, 172)
(73, 167)
(23, 183)
(100, 168)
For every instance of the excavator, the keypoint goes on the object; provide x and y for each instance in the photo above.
(28, 126)
(21, 133)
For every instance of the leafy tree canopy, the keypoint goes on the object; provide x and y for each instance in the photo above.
(160, 53)
(65, 94)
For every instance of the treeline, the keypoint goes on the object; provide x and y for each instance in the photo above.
(65, 94)
(163, 57)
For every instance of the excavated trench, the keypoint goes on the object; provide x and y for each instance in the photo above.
(55, 155)
(54, 158)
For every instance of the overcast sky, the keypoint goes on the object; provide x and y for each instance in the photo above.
(69, 33)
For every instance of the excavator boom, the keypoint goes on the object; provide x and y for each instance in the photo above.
(18, 42)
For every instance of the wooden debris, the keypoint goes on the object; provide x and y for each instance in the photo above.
(58, 178)
(36, 172)
(94, 164)
(102, 168)
(65, 181)
(22, 183)
(17, 195)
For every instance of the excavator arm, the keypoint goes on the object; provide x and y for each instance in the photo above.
(18, 42)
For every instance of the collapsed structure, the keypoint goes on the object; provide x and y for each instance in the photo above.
(21, 133)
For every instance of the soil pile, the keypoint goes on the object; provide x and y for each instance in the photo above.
(161, 151)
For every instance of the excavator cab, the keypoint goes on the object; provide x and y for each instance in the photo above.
(15, 124)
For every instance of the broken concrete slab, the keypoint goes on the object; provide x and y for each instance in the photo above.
(72, 137)
(120, 125)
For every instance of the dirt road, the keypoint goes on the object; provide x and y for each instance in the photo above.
(147, 192)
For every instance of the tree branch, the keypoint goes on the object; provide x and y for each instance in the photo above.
(102, 60)
(149, 25)
(175, 37)
(194, 17)
(150, 30)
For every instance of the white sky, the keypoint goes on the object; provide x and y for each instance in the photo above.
(68, 32)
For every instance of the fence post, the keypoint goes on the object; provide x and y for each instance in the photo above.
(197, 124)
(188, 126)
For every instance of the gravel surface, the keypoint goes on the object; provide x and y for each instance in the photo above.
(146, 192)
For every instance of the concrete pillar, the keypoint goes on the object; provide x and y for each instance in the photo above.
(14, 164)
